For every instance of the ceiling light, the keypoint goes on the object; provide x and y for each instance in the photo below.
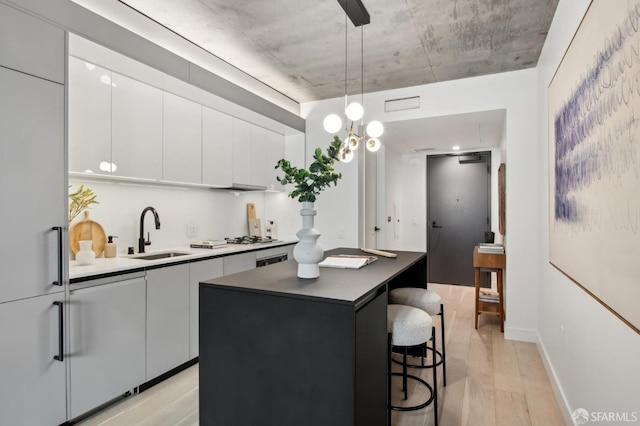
(456, 148)
(354, 111)
(373, 144)
(375, 129)
(332, 123)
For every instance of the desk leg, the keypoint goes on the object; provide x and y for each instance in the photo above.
(477, 282)
(501, 300)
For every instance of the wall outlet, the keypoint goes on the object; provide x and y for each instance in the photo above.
(340, 233)
(192, 230)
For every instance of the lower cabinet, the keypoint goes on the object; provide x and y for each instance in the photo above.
(167, 319)
(239, 262)
(107, 340)
(199, 271)
(33, 385)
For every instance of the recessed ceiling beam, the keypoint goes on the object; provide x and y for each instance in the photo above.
(356, 11)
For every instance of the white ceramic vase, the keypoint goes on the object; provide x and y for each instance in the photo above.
(85, 256)
(307, 252)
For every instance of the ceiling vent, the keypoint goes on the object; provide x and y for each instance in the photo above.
(402, 104)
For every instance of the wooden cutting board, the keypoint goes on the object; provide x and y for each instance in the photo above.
(87, 229)
(255, 227)
(251, 211)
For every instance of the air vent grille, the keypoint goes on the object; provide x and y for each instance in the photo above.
(402, 104)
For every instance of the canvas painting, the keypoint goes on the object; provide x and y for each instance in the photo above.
(594, 152)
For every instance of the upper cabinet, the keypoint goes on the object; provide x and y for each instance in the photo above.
(259, 150)
(136, 126)
(217, 148)
(255, 153)
(275, 153)
(90, 107)
(121, 126)
(182, 140)
(241, 152)
(38, 51)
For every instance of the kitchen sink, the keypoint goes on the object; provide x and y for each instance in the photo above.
(155, 256)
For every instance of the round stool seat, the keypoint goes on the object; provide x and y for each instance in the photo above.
(427, 300)
(408, 326)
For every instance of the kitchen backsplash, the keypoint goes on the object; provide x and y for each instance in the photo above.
(213, 213)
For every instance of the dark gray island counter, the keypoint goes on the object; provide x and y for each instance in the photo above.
(279, 350)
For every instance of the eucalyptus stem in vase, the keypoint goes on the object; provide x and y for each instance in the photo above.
(308, 184)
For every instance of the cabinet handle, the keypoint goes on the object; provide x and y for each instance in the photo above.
(59, 232)
(60, 356)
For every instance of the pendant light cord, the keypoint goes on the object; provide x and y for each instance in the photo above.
(362, 73)
(345, 62)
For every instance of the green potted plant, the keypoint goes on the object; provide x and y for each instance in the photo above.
(308, 184)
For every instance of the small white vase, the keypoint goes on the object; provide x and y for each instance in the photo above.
(307, 252)
(85, 256)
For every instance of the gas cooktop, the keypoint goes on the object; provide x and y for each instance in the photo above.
(249, 240)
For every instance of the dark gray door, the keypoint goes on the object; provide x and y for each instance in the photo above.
(458, 214)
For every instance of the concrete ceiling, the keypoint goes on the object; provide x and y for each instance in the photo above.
(297, 47)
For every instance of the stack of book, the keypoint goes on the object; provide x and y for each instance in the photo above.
(347, 261)
(490, 248)
(488, 296)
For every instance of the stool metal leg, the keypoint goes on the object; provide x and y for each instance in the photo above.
(444, 357)
(435, 378)
(439, 357)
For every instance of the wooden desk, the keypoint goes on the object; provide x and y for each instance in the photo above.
(490, 262)
(279, 350)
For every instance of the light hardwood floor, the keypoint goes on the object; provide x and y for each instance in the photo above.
(490, 381)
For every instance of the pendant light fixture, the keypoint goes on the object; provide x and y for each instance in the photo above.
(354, 111)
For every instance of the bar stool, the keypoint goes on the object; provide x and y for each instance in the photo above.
(430, 302)
(407, 327)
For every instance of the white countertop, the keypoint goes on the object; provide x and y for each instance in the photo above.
(123, 263)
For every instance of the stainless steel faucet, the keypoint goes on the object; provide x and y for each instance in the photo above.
(141, 241)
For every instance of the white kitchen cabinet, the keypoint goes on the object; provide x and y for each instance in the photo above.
(241, 152)
(217, 148)
(199, 271)
(239, 262)
(32, 148)
(259, 159)
(182, 140)
(107, 340)
(167, 319)
(89, 108)
(31, 46)
(275, 152)
(32, 389)
(136, 138)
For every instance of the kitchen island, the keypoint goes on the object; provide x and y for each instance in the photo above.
(279, 350)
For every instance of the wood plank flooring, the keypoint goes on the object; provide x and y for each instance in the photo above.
(490, 381)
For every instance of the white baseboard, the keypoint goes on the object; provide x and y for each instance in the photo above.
(520, 334)
(561, 399)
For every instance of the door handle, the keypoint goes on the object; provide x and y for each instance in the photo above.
(58, 230)
(433, 225)
(60, 356)
(376, 229)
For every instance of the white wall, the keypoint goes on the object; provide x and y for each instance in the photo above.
(216, 214)
(594, 361)
(515, 92)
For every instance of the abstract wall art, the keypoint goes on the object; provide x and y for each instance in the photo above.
(594, 158)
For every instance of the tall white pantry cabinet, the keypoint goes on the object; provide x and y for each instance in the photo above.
(32, 220)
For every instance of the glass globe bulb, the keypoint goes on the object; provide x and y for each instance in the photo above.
(353, 142)
(354, 111)
(373, 144)
(375, 129)
(346, 155)
(332, 123)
